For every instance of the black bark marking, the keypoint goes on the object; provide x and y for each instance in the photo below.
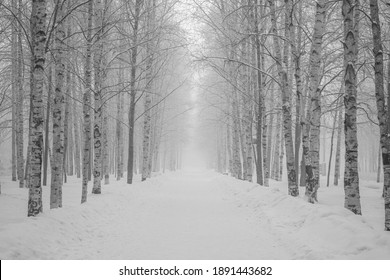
(386, 158)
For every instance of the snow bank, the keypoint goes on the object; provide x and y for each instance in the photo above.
(73, 231)
(317, 231)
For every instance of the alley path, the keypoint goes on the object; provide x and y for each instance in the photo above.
(188, 216)
(183, 215)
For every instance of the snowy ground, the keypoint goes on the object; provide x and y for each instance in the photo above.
(192, 215)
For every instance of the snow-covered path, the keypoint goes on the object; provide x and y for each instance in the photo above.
(188, 215)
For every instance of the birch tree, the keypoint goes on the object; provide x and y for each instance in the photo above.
(47, 123)
(351, 172)
(57, 168)
(286, 107)
(19, 101)
(147, 143)
(87, 106)
(133, 92)
(383, 111)
(97, 129)
(312, 162)
(119, 120)
(14, 90)
(338, 144)
(260, 99)
(76, 126)
(38, 41)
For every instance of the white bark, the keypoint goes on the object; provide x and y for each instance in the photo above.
(312, 162)
(97, 125)
(383, 112)
(38, 32)
(58, 112)
(338, 143)
(119, 129)
(286, 108)
(19, 102)
(13, 90)
(351, 172)
(147, 133)
(134, 55)
(76, 127)
(87, 107)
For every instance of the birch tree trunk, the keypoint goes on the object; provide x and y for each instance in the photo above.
(269, 149)
(153, 140)
(58, 111)
(66, 125)
(70, 118)
(331, 149)
(286, 54)
(260, 100)
(47, 124)
(296, 61)
(134, 54)
(19, 102)
(281, 155)
(378, 173)
(286, 108)
(147, 141)
(386, 187)
(266, 129)
(240, 93)
(229, 144)
(103, 86)
(87, 107)
(119, 130)
(106, 159)
(383, 112)
(14, 90)
(312, 162)
(159, 128)
(248, 140)
(241, 135)
(236, 137)
(76, 126)
(97, 128)
(249, 56)
(277, 145)
(338, 145)
(306, 141)
(234, 121)
(38, 41)
(351, 172)
(338, 148)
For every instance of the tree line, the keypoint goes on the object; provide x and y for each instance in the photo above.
(288, 71)
(81, 80)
